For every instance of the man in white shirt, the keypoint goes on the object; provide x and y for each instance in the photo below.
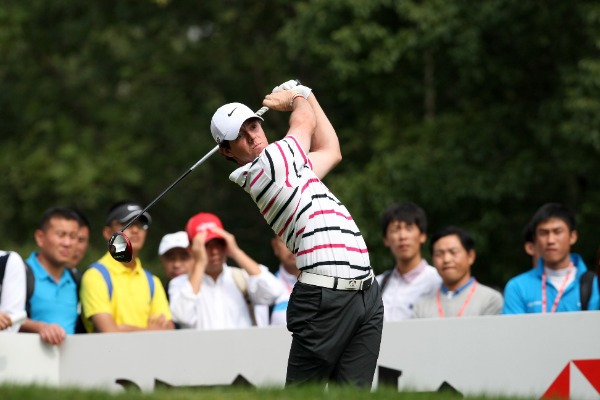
(214, 295)
(12, 291)
(404, 227)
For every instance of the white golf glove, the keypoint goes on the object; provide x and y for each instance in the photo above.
(293, 84)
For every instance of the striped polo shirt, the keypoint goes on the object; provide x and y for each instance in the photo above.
(302, 211)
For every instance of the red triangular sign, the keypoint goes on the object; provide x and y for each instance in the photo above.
(560, 387)
(591, 370)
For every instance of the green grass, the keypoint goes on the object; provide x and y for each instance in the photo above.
(16, 392)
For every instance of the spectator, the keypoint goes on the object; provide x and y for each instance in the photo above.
(335, 312)
(54, 302)
(214, 295)
(287, 275)
(79, 251)
(175, 257)
(83, 240)
(553, 285)
(174, 254)
(529, 244)
(12, 291)
(123, 297)
(404, 228)
(453, 252)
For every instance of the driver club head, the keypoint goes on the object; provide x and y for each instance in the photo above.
(119, 247)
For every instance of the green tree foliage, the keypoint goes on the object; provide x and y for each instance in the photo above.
(478, 111)
(109, 100)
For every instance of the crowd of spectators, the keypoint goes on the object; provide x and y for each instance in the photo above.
(50, 293)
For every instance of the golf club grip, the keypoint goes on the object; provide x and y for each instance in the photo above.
(262, 111)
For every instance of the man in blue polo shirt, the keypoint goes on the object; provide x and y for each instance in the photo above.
(554, 285)
(53, 305)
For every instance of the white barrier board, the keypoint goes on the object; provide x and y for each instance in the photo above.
(524, 355)
(25, 359)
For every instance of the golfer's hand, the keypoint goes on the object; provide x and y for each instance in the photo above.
(293, 84)
(280, 101)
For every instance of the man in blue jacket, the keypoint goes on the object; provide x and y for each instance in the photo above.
(554, 284)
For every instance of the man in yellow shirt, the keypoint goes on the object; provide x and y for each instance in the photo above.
(124, 297)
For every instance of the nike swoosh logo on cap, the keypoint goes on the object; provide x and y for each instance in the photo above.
(229, 115)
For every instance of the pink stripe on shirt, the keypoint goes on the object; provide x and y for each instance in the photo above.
(331, 246)
(300, 231)
(321, 212)
(268, 207)
(306, 159)
(257, 176)
(309, 182)
(287, 171)
(288, 220)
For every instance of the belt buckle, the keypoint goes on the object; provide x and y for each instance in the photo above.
(353, 284)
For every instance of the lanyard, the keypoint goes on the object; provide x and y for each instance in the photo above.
(560, 291)
(464, 306)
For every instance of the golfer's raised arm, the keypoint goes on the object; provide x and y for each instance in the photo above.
(310, 126)
(302, 119)
(325, 152)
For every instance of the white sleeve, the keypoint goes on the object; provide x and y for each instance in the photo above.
(12, 299)
(261, 315)
(183, 302)
(264, 288)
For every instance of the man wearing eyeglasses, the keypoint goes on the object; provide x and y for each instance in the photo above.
(124, 297)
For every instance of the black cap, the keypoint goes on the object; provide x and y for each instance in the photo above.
(127, 211)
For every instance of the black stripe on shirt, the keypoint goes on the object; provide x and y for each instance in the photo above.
(304, 209)
(293, 158)
(246, 177)
(271, 165)
(262, 193)
(283, 208)
(266, 188)
(331, 228)
(327, 196)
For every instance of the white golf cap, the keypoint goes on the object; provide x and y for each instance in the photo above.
(228, 119)
(172, 241)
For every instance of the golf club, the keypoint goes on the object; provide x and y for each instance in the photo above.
(119, 245)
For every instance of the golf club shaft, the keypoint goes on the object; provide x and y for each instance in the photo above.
(186, 173)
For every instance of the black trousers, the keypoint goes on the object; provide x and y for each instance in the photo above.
(336, 335)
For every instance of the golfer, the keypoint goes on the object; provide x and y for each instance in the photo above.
(335, 311)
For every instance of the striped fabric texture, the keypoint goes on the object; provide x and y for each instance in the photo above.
(301, 210)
